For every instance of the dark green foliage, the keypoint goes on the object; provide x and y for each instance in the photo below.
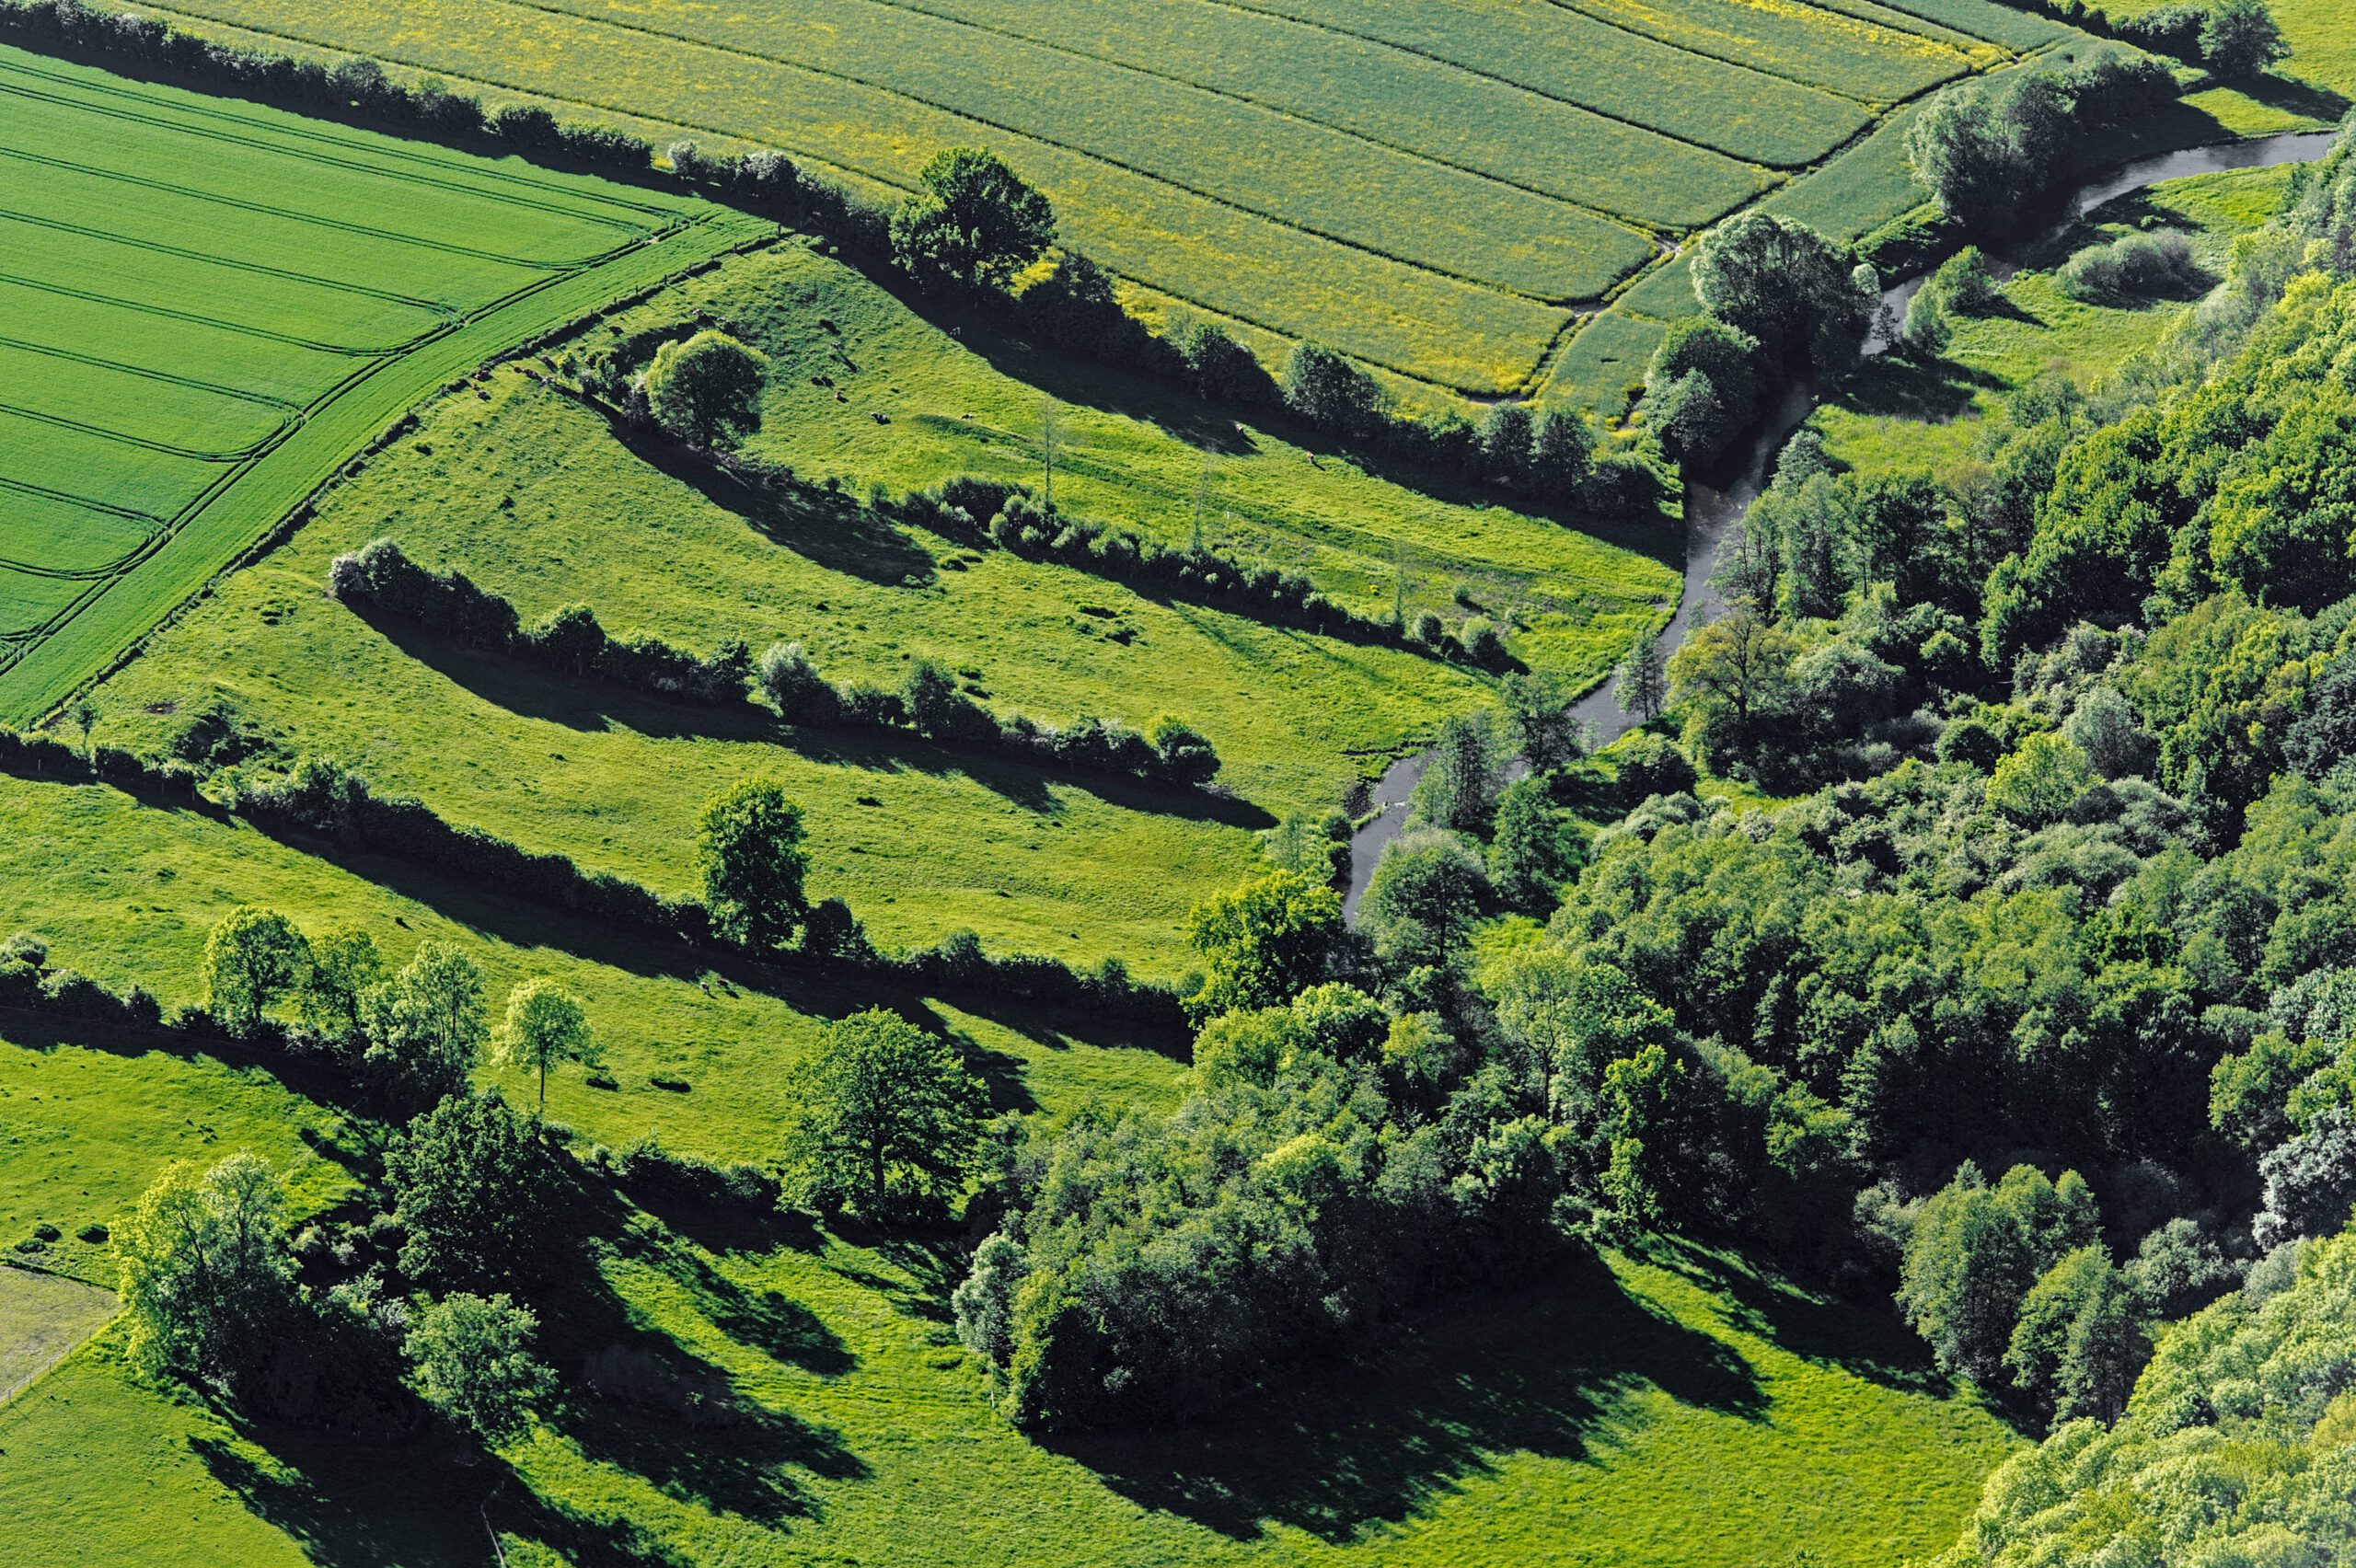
(879, 1117)
(426, 1027)
(1963, 284)
(1425, 895)
(1537, 845)
(1334, 394)
(1701, 386)
(251, 959)
(1786, 286)
(2078, 1344)
(472, 1358)
(1220, 368)
(1987, 147)
(1562, 454)
(748, 847)
(707, 389)
(2136, 267)
(1974, 1255)
(1459, 787)
(1313, 845)
(204, 1268)
(2239, 38)
(1539, 725)
(976, 222)
(476, 1193)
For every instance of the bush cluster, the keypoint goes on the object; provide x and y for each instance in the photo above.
(381, 577)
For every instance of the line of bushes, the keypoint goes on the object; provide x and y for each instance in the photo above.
(986, 512)
(1547, 457)
(382, 578)
(324, 799)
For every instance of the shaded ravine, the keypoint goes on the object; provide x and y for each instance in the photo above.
(1711, 513)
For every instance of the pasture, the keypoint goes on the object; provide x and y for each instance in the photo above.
(1440, 195)
(207, 311)
(42, 1318)
(537, 498)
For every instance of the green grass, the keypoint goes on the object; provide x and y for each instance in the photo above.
(534, 496)
(1893, 414)
(207, 313)
(42, 1317)
(1426, 195)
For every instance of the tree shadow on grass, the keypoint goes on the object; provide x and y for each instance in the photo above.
(1900, 386)
(1864, 1342)
(2292, 96)
(315, 1080)
(589, 706)
(828, 528)
(350, 1505)
(1543, 1371)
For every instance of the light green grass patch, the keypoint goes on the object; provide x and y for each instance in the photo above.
(534, 496)
(42, 1317)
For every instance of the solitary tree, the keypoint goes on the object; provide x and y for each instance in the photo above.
(707, 389)
(251, 959)
(882, 1115)
(472, 1189)
(1332, 394)
(748, 843)
(1262, 943)
(1562, 454)
(426, 1026)
(975, 221)
(1641, 685)
(2239, 38)
(204, 1266)
(472, 1357)
(545, 1026)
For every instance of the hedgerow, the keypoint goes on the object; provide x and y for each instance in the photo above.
(381, 578)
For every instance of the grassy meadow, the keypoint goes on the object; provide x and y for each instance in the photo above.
(537, 497)
(215, 314)
(1436, 197)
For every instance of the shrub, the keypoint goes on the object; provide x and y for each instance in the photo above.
(2144, 266)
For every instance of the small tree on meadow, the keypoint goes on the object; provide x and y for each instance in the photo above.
(1562, 454)
(2240, 39)
(345, 968)
(252, 958)
(472, 1358)
(975, 221)
(748, 846)
(546, 1025)
(881, 1115)
(707, 389)
(204, 1266)
(1332, 394)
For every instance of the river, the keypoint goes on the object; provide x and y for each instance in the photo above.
(1711, 513)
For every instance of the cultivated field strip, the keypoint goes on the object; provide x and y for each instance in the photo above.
(1576, 59)
(1433, 188)
(1398, 101)
(1802, 44)
(190, 289)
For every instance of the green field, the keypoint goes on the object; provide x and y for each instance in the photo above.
(533, 495)
(1435, 195)
(215, 313)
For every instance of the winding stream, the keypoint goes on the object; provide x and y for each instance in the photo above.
(1710, 514)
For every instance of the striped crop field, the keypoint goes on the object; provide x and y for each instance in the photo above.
(1439, 188)
(207, 307)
